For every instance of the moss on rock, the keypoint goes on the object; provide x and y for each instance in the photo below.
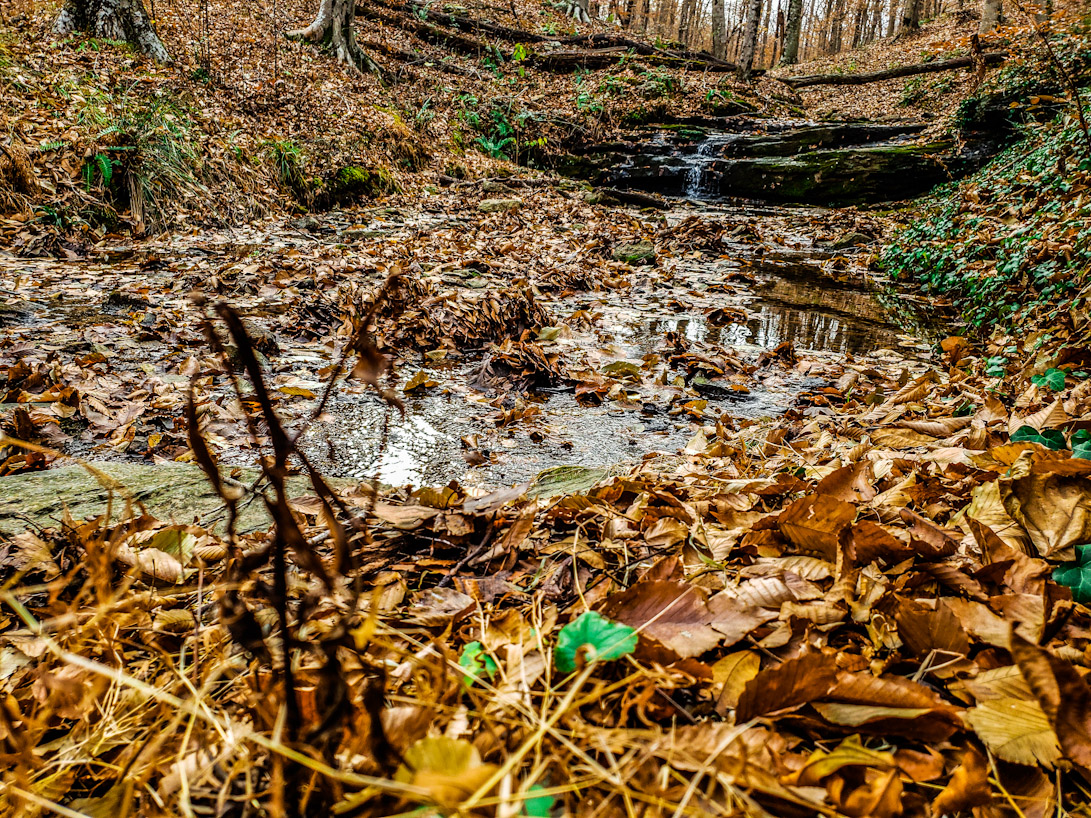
(354, 182)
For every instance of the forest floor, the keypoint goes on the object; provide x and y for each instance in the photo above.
(823, 563)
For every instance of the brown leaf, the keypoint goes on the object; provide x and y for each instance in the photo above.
(894, 437)
(788, 686)
(1063, 695)
(924, 630)
(870, 542)
(1053, 509)
(680, 617)
(815, 523)
(850, 484)
(733, 672)
(969, 786)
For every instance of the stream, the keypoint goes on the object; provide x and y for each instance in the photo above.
(781, 292)
(772, 280)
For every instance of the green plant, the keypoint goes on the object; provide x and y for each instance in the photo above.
(1051, 378)
(1050, 438)
(287, 158)
(1076, 575)
(98, 166)
(477, 663)
(592, 638)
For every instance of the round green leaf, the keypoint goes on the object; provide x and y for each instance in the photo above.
(595, 638)
(1076, 575)
(475, 661)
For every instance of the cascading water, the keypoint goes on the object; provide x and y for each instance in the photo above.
(696, 183)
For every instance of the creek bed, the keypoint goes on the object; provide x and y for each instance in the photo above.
(123, 329)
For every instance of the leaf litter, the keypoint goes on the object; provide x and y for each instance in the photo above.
(857, 606)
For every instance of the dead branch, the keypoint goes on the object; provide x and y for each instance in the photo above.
(991, 58)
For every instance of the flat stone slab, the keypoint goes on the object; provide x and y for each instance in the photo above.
(174, 492)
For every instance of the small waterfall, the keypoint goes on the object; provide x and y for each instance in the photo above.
(696, 182)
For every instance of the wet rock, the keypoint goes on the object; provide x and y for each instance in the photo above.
(851, 239)
(308, 223)
(847, 176)
(718, 390)
(495, 186)
(641, 252)
(803, 140)
(175, 491)
(119, 300)
(499, 205)
(352, 182)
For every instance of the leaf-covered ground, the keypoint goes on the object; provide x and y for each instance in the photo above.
(871, 604)
(853, 608)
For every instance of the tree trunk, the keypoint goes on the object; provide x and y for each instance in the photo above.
(749, 39)
(332, 28)
(791, 36)
(911, 17)
(123, 20)
(578, 10)
(685, 22)
(719, 30)
(990, 16)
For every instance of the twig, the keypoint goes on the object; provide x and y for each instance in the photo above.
(1069, 80)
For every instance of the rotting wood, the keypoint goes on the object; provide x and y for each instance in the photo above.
(605, 51)
(635, 197)
(991, 58)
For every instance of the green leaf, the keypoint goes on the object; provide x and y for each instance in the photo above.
(1077, 575)
(475, 661)
(1050, 438)
(538, 806)
(1053, 378)
(592, 638)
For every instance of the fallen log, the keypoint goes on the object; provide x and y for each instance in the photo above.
(605, 51)
(635, 197)
(992, 58)
(465, 23)
(606, 57)
(410, 59)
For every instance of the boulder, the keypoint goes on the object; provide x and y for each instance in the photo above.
(499, 205)
(176, 492)
(641, 252)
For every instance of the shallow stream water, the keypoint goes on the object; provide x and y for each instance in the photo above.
(781, 287)
(786, 291)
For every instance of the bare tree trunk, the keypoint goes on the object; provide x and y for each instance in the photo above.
(332, 28)
(991, 11)
(911, 17)
(719, 30)
(749, 39)
(123, 20)
(791, 35)
(685, 22)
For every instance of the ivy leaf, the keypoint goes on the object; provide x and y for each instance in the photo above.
(1077, 575)
(475, 661)
(1053, 378)
(592, 638)
(1050, 438)
(538, 806)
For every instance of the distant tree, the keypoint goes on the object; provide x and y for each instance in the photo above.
(749, 38)
(719, 30)
(911, 17)
(123, 20)
(792, 29)
(578, 10)
(332, 29)
(991, 12)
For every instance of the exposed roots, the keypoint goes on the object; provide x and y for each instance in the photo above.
(332, 29)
